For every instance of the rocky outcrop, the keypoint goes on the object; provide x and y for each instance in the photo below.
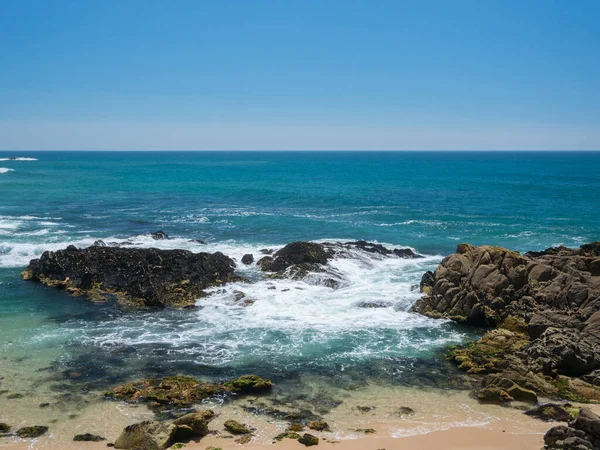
(182, 392)
(583, 433)
(484, 285)
(546, 310)
(140, 277)
(299, 260)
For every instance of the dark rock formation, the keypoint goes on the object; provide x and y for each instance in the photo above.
(134, 276)
(247, 259)
(4, 427)
(294, 254)
(583, 433)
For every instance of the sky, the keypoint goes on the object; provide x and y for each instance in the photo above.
(300, 75)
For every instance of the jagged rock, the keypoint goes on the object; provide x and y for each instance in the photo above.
(566, 351)
(482, 285)
(247, 259)
(148, 435)
(134, 276)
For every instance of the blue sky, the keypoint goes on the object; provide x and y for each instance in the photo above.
(299, 74)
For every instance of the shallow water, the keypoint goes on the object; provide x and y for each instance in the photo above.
(302, 334)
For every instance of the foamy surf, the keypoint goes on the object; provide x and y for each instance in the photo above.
(19, 158)
(6, 170)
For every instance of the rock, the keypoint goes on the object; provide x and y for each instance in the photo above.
(198, 241)
(99, 243)
(374, 304)
(148, 435)
(588, 422)
(197, 422)
(159, 235)
(405, 411)
(183, 391)
(244, 439)
(494, 394)
(168, 392)
(287, 435)
(87, 437)
(295, 427)
(296, 253)
(134, 276)
(4, 428)
(247, 384)
(366, 430)
(32, 432)
(549, 412)
(235, 427)
(308, 440)
(247, 259)
(318, 425)
(488, 355)
(566, 351)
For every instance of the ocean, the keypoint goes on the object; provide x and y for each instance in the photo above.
(299, 333)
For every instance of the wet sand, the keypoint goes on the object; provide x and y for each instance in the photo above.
(441, 420)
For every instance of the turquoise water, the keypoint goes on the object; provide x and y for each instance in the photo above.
(240, 202)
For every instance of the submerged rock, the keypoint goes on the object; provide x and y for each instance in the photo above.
(235, 427)
(247, 259)
(159, 235)
(134, 276)
(87, 437)
(4, 427)
(32, 432)
(287, 435)
(183, 391)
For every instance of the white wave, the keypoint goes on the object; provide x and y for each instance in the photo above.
(20, 158)
(6, 170)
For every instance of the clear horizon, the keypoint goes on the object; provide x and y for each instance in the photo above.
(384, 76)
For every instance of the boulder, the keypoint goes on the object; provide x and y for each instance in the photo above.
(247, 259)
(148, 435)
(308, 440)
(294, 254)
(134, 276)
(235, 427)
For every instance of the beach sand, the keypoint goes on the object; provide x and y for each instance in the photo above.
(442, 420)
